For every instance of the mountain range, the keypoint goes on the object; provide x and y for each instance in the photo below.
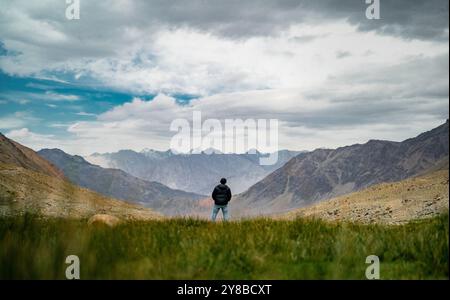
(30, 184)
(325, 173)
(193, 172)
(121, 185)
(57, 183)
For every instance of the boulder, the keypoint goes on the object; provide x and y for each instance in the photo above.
(103, 219)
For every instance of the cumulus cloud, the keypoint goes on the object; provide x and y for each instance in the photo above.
(202, 48)
(17, 120)
(332, 115)
(237, 19)
(32, 139)
(329, 75)
(11, 121)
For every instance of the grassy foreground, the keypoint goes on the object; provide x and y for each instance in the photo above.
(32, 248)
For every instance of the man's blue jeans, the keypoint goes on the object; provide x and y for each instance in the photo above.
(216, 209)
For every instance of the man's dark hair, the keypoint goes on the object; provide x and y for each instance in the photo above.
(223, 181)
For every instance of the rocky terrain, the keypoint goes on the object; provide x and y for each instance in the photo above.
(386, 203)
(25, 191)
(327, 173)
(306, 179)
(19, 155)
(30, 184)
(121, 185)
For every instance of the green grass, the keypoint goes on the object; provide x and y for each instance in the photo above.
(33, 248)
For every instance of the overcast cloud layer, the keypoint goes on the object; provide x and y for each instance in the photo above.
(331, 76)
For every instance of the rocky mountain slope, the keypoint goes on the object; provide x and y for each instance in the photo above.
(197, 172)
(30, 184)
(19, 155)
(326, 173)
(118, 184)
(386, 203)
(25, 191)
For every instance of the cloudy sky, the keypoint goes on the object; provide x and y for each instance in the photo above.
(118, 76)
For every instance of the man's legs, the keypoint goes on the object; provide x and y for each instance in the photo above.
(215, 210)
(225, 212)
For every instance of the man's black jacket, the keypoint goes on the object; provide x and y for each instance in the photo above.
(221, 194)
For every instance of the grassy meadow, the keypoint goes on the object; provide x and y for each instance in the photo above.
(33, 248)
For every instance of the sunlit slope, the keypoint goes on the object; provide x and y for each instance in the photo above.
(386, 203)
(25, 191)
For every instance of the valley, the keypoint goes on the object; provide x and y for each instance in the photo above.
(53, 204)
(194, 172)
(376, 182)
(121, 185)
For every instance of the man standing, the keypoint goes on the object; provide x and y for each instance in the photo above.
(221, 196)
